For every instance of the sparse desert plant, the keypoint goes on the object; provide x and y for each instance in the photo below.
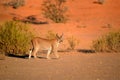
(73, 42)
(55, 10)
(15, 3)
(100, 1)
(108, 43)
(15, 38)
(50, 35)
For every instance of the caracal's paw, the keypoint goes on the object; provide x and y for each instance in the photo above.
(48, 58)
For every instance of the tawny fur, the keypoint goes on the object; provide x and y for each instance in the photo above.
(45, 44)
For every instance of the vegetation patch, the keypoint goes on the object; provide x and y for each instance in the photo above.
(108, 43)
(50, 35)
(55, 10)
(15, 38)
(73, 42)
(15, 3)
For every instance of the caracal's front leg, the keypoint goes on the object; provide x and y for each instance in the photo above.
(56, 53)
(48, 53)
(35, 53)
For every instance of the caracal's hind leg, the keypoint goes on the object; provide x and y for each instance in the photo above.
(48, 53)
(30, 54)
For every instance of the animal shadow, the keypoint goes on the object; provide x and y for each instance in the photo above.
(18, 56)
(86, 51)
(41, 57)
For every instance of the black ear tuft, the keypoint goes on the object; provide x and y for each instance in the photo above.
(57, 36)
(61, 35)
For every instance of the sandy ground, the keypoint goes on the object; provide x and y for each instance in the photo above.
(70, 66)
(87, 22)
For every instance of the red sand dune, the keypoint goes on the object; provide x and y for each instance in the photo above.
(87, 20)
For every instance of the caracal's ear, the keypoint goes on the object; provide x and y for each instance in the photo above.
(57, 36)
(61, 36)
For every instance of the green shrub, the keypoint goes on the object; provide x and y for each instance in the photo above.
(55, 10)
(15, 38)
(50, 35)
(73, 42)
(108, 43)
(15, 3)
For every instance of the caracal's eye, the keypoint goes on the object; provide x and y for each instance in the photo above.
(60, 41)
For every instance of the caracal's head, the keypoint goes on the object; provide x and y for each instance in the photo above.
(59, 38)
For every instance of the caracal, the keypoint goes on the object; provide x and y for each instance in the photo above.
(45, 44)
